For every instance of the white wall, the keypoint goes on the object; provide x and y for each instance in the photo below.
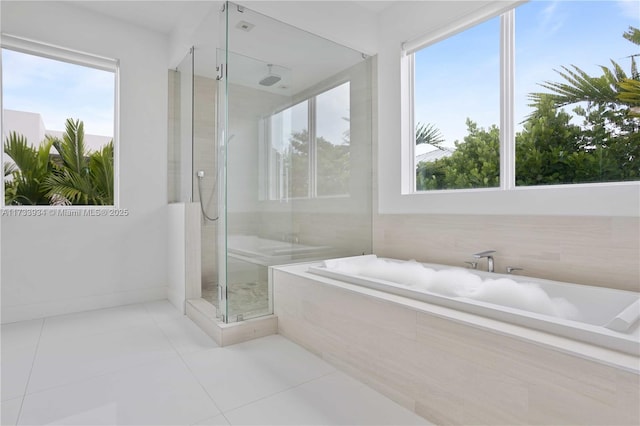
(408, 20)
(54, 265)
(343, 22)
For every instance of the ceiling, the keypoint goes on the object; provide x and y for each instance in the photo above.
(160, 16)
(163, 16)
(268, 42)
(287, 48)
(376, 6)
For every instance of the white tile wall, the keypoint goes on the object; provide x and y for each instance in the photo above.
(451, 372)
(601, 251)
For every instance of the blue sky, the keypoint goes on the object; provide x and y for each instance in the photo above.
(455, 79)
(58, 90)
(459, 77)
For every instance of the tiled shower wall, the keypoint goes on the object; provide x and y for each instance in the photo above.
(600, 251)
(173, 148)
(205, 158)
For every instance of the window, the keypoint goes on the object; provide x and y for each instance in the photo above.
(570, 117)
(457, 107)
(309, 147)
(59, 126)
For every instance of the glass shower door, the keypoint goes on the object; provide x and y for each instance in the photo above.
(295, 137)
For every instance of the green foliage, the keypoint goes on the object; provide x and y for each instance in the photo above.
(474, 164)
(332, 165)
(581, 87)
(32, 166)
(74, 176)
(334, 168)
(298, 164)
(429, 134)
(551, 149)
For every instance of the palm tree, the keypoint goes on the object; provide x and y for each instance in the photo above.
(430, 135)
(613, 88)
(28, 173)
(79, 177)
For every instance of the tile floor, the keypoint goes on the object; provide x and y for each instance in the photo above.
(146, 364)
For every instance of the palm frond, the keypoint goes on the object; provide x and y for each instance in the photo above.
(66, 183)
(101, 166)
(616, 76)
(22, 154)
(633, 35)
(71, 147)
(9, 168)
(578, 86)
(630, 95)
(430, 135)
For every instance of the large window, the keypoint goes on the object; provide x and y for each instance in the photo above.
(545, 94)
(58, 127)
(309, 147)
(457, 108)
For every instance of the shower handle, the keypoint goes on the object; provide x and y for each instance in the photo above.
(220, 70)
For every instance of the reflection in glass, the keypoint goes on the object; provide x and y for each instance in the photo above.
(332, 141)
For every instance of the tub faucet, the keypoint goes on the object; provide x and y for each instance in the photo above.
(511, 269)
(487, 254)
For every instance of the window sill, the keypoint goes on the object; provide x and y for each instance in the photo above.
(600, 199)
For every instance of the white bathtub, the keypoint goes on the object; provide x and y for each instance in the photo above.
(269, 252)
(607, 317)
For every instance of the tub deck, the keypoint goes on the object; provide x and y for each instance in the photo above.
(609, 317)
(455, 367)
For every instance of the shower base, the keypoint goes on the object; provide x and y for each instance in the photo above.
(250, 300)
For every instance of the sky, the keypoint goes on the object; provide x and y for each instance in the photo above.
(58, 90)
(455, 79)
(332, 108)
(459, 77)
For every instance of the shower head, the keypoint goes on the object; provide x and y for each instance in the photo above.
(270, 79)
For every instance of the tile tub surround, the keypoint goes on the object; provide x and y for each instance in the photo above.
(451, 367)
(600, 251)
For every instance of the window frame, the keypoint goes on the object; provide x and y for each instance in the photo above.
(75, 57)
(507, 122)
(268, 192)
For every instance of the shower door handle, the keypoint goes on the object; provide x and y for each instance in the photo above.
(220, 70)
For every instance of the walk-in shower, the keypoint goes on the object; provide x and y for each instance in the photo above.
(278, 154)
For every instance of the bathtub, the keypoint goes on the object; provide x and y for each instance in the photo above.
(606, 317)
(269, 252)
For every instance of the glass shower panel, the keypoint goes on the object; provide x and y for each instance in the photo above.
(252, 247)
(289, 146)
(180, 131)
(298, 180)
(333, 112)
(222, 102)
(205, 175)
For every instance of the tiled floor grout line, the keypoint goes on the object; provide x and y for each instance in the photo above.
(282, 391)
(193, 346)
(195, 376)
(86, 379)
(189, 368)
(33, 362)
(154, 323)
